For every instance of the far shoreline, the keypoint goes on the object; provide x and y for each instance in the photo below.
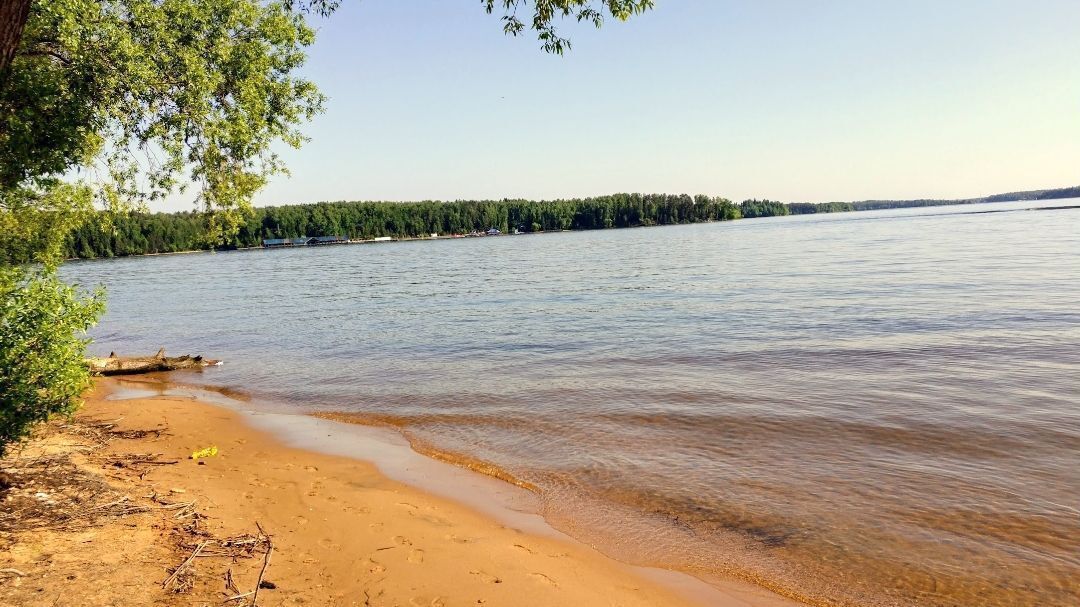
(398, 239)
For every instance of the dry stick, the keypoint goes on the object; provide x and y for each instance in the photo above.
(12, 572)
(239, 596)
(187, 561)
(148, 462)
(266, 563)
(230, 585)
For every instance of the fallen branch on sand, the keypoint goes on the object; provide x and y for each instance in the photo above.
(100, 433)
(140, 463)
(51, 492)
(241, 546)
(266, 563)
(130, 365)
(178, 573)
(54, 486)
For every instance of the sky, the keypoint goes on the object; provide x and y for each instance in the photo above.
(783, 99)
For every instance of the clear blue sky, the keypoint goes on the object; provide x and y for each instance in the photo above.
(787, 99)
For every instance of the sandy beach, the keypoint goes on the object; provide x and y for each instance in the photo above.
(342, 532)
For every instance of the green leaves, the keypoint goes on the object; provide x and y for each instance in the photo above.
(545, 13)
(143, 97)
(42, 345)
(34, 223)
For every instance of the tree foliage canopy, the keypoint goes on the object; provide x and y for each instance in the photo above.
(138, 98)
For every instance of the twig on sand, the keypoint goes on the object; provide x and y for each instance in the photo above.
(241, 596)
(230, 584)
(266, 563)
(176, 573)
(14, 572)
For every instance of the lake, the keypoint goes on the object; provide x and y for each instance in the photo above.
(872, 408)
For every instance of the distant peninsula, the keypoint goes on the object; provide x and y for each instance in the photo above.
(158, 233)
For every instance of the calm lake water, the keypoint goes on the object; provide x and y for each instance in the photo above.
(876, 408)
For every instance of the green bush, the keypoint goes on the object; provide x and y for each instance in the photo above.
(42, 346)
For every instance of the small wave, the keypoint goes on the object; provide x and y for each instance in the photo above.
(428, 449)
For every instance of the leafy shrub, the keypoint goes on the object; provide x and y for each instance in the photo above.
(42, 346)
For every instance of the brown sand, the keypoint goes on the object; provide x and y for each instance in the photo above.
(343, 533)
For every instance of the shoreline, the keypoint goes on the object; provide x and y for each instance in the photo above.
(395, 239)
(435, 534)
(385, 240)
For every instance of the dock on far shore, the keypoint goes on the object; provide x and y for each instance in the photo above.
(315, 241)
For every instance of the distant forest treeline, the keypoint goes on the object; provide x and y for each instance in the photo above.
(143, 233)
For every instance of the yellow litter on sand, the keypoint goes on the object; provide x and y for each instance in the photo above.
(207, 452)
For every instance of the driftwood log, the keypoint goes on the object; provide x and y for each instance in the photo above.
(129, 365)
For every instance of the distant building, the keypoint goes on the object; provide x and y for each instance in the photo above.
(303, 241)
(320, 240)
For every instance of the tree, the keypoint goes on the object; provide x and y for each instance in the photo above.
(149, 95)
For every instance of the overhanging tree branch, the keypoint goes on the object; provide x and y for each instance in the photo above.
(13, 16)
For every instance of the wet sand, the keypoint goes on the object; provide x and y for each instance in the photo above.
(344, 533)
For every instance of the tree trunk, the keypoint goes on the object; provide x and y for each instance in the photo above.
(129, 365)
(13, 16)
